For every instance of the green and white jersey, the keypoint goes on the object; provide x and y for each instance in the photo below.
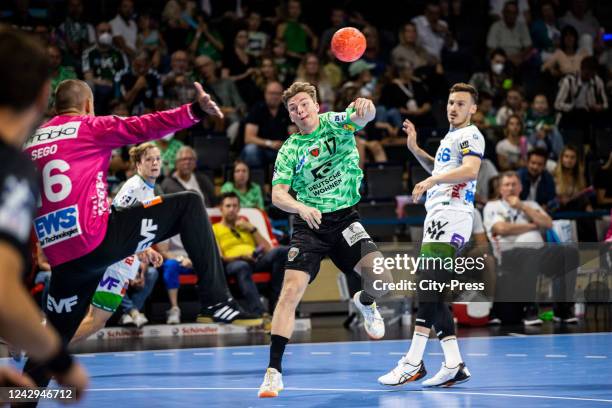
(323, 166)
(453, 147)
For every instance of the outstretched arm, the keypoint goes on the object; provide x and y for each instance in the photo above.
(411, 141)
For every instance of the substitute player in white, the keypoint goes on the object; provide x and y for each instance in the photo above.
(448, 225)
(113, 285)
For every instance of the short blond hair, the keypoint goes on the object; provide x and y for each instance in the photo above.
(298, 87)
(137, 152)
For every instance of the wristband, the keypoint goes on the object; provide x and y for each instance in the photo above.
(268, 143)
(197, 111)
(60, 363)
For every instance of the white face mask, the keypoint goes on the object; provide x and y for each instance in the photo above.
(497, 68)
(105, 39)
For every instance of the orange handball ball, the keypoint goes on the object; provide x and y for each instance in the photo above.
(348, 44)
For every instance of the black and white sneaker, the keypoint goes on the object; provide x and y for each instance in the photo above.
(448, 377)
(228, 312)
(566, 320)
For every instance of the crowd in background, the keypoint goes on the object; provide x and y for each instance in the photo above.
(543, 70)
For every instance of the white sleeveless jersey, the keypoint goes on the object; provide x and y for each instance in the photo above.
(453, 147)
(133, 191)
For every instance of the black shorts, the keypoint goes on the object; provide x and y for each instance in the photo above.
(340, 236)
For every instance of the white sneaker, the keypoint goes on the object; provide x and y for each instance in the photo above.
(125, 320)
(140, 319)
(447, 377)
(373, 322)
(272, 384)
(174, 315)
(403, 373)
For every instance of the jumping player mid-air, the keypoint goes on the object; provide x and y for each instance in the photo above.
(448, 225)
(79, 234)
(321, 164)
(113, 285)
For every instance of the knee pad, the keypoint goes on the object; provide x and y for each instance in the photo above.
(426, 315)
(444, 323)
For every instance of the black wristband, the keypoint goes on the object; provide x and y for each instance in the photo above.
(60, 363)
(197, 111)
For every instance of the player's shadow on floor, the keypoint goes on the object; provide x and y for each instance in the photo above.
(548, 387)
(255, 372)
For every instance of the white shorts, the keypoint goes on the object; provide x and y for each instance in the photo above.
(445, 224)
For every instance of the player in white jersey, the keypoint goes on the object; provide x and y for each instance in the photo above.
(448, 225)
(116, 279)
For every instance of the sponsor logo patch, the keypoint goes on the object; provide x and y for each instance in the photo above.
(436, 229)
(314, 150)
(354, 233)
(457, 240)
(49, 134)
(293, 252)
(57, 226)
(154, 201)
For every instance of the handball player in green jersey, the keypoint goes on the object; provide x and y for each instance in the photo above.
(321, 164)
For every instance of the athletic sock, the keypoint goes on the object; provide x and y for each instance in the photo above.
(417, 348)
(277, 349)
(452, 356)
(366, 299)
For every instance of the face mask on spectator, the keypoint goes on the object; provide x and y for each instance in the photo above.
(105, 39)
(497, 68)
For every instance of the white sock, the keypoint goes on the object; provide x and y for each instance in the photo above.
(417, 348)
(452, 356)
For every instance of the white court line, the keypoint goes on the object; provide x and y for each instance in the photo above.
(242, 353)
(361, 353)
(288, 353)
(516, 355)
(509, 337)
(203, 354)
(320, 353)
(435, 354)
(447, 392)
(477, 354)
(595, 356)
(555, 355)
(163, 354)
(86, 355)
(124, 354)
(396, 353)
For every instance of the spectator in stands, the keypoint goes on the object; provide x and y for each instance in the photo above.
(297, 35)
(186, 178)
(101, 63)
(487, 172)
(240, 183)
(544, 31)
(244, 251)
(603, 185)
(582, 98)
(125, 29)
(496, 10)
(176, 262)
(59, 72)
(338, 20)
(139, 290)
(582, 19)
(75, 34)
(515, 227)
(478, 248)
(284, 66)
(513, 105)
(140, 87)
(258, 40)
(567, 57)
(432, 32)
(177, 17)
(224, 92)
(373, 52)
(485, 106)
(266, 73)
(409, 51)
(409, 96)
(169, 146)
(537, 184)
(311, 71)
(178, 83)
(510, 35)
(206, 41)
(267, 127)
(572, 192)
(512, 150)
(496, 79)
(149, 38)
(240, 67)
(540, 128)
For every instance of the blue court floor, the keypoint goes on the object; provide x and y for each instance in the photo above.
(527, 371)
